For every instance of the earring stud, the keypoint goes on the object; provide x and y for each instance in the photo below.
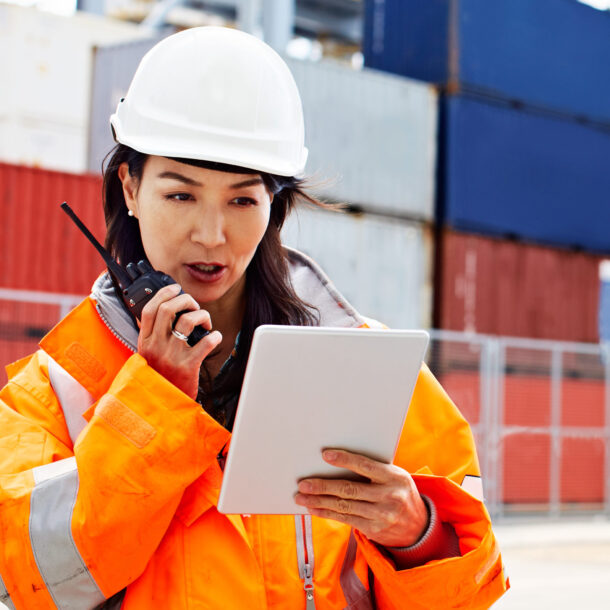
(129, 213)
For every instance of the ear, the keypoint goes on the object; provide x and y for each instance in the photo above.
(130, 188)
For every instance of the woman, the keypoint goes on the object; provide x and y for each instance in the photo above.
(110, 465)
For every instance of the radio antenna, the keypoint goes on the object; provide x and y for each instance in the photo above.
(113, 266)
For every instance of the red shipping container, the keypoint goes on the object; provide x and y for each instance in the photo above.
(527, 468)
(502, 287)
(582, 470)
(40, 247)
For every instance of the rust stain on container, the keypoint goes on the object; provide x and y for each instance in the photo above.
(40, 248)
(497, 286)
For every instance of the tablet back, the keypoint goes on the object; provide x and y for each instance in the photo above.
(310, 388)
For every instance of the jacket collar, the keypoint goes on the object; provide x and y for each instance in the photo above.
(113, 312)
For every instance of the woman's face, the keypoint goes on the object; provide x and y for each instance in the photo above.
(199, 225)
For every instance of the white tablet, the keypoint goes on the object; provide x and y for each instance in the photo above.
(310, 388)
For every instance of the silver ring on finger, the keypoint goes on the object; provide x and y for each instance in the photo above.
(179, 335)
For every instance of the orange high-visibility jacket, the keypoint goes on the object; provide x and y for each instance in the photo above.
(109, 481)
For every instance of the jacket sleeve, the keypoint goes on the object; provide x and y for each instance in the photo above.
(78, 524)
(437, 447)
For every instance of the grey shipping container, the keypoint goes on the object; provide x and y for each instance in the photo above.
(371, 136)
(382, 265)
(113, 69)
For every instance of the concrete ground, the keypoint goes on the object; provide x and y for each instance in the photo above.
(556, 565)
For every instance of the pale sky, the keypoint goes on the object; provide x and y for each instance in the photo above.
(602, 4)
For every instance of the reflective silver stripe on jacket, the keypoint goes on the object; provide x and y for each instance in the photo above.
(62, 568)
(5, 598)
(72, 397)
(357, 596)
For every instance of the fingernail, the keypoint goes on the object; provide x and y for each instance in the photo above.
(305, 486)
(331, 456)
(176, 288)
(216, 335)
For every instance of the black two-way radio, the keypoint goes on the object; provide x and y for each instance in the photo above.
(138, 282)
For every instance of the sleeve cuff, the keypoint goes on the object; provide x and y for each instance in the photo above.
(439, 541)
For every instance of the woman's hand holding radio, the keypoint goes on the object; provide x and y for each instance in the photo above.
(162, 340)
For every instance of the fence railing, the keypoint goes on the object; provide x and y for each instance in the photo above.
(539, 410)
(65, 302)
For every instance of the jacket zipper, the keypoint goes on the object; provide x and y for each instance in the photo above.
(305, 557)
(114, 332)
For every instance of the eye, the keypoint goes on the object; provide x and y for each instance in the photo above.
(179, 197)
(244, 202)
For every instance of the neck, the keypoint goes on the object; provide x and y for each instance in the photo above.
(227, 314)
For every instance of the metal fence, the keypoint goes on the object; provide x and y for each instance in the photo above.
(539, 410)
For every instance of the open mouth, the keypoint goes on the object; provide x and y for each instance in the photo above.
(206, 272)
(212, 268)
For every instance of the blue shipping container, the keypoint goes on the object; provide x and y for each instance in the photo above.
(547, 53)
(511, 172)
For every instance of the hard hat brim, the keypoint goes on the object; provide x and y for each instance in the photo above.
(211, 147)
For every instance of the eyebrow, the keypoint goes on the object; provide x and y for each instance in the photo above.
(191, 182)
(249, 182)
(180, 178)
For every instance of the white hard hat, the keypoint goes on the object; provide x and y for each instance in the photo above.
(215, 94)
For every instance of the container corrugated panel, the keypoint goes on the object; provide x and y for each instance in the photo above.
(371, 135)
(113, 69)
(408, 37)
(501, 287)
(516, 173)
(382, 266)
(40, 248)
(46, 85)
(582, 470)
(527, 470)
(547, 53)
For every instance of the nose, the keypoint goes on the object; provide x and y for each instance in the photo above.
(209, 227)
